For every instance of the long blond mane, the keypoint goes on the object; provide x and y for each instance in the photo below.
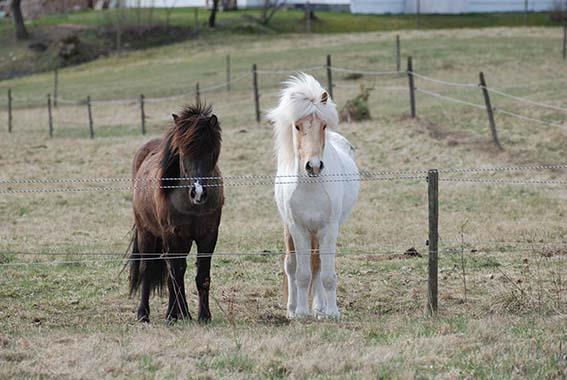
(302, 95)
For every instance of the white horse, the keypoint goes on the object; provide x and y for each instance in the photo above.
(319, 164)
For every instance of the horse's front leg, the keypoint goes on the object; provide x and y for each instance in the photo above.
(328, 246)
(290, 266)
(205, 249)
(302, 242)
(176, 267)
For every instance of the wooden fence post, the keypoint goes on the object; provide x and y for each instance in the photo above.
(329, 76)
(565, 40)
(398, 56)
(432, 284)
(49, 115)
(525, 12)
(55, 86)
(142, 114)
(307, 12)
(411, 87)
(197, 93)
(196, 16)
(256, 94)
(91, 127)
(228, 72)
(10, 110)
(490, 111)
(417, 13)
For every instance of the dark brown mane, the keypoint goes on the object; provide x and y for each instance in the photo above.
(196, 134)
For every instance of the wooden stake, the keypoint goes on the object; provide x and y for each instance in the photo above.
(49, 115)
(197, 94)
(55, 86)
(91, 127)
(196, 16)
(432, 284)
(256, 93)
(10, 110)
(228, 72)
(417, 13)
(329, 76)
(307, 17)
(411, 87)
(398, 56)
(489, 111)
(565, 40)
(142, 114)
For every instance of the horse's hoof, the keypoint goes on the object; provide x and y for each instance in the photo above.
(204, 317)
(330, 316)
(319, 313)
(143, 318)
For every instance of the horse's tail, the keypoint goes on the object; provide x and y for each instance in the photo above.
(147, 264)
(135, 262)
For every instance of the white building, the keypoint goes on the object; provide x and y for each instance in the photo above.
(449, 6)
(381, 6)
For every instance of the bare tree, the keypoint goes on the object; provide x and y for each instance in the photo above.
(16, 9)
(213, 16)
(269, 9)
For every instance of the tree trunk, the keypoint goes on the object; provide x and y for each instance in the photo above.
(213, 16)
(21, 32)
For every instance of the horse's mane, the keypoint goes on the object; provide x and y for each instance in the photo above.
(195, 134)
(300, 97)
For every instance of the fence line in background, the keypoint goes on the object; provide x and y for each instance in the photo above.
(412, 75)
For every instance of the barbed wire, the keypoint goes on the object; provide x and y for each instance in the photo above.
(364, 72)
(220, 183)
(527, 118)
(378, 174)
(505, 181)
(495, 109)
(524, 100)
(450, 99)
(121, 257)
(289, 72)
(443, 82)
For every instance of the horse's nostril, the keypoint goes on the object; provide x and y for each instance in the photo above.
(193, 192)
(308, 167)
(321, 166)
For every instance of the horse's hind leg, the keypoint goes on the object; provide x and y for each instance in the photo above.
(205, 249)
(177, 305)
(146, 245)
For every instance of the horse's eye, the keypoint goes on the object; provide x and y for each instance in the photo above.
(325, 126)
(297, 127)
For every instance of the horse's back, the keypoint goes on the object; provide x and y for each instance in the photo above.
(149, 147)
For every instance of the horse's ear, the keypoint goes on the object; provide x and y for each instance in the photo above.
(213, 121)
(324, 97)
(175, 117)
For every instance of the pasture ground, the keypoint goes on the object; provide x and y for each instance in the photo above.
(74, 319)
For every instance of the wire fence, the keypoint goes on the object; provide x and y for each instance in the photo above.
(60, 119)
(449, 175)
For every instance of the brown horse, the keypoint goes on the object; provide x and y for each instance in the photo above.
(175, 210)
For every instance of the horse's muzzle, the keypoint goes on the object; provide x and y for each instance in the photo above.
(314, 171)
(198, 193)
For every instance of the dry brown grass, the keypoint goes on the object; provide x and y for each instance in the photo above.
(75, 320)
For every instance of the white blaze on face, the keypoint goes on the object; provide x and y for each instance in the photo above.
(198, 191)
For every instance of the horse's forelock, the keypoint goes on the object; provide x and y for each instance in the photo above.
(197, 133)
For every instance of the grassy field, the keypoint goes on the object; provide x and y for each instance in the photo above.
(96, 30)
(66, 313)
